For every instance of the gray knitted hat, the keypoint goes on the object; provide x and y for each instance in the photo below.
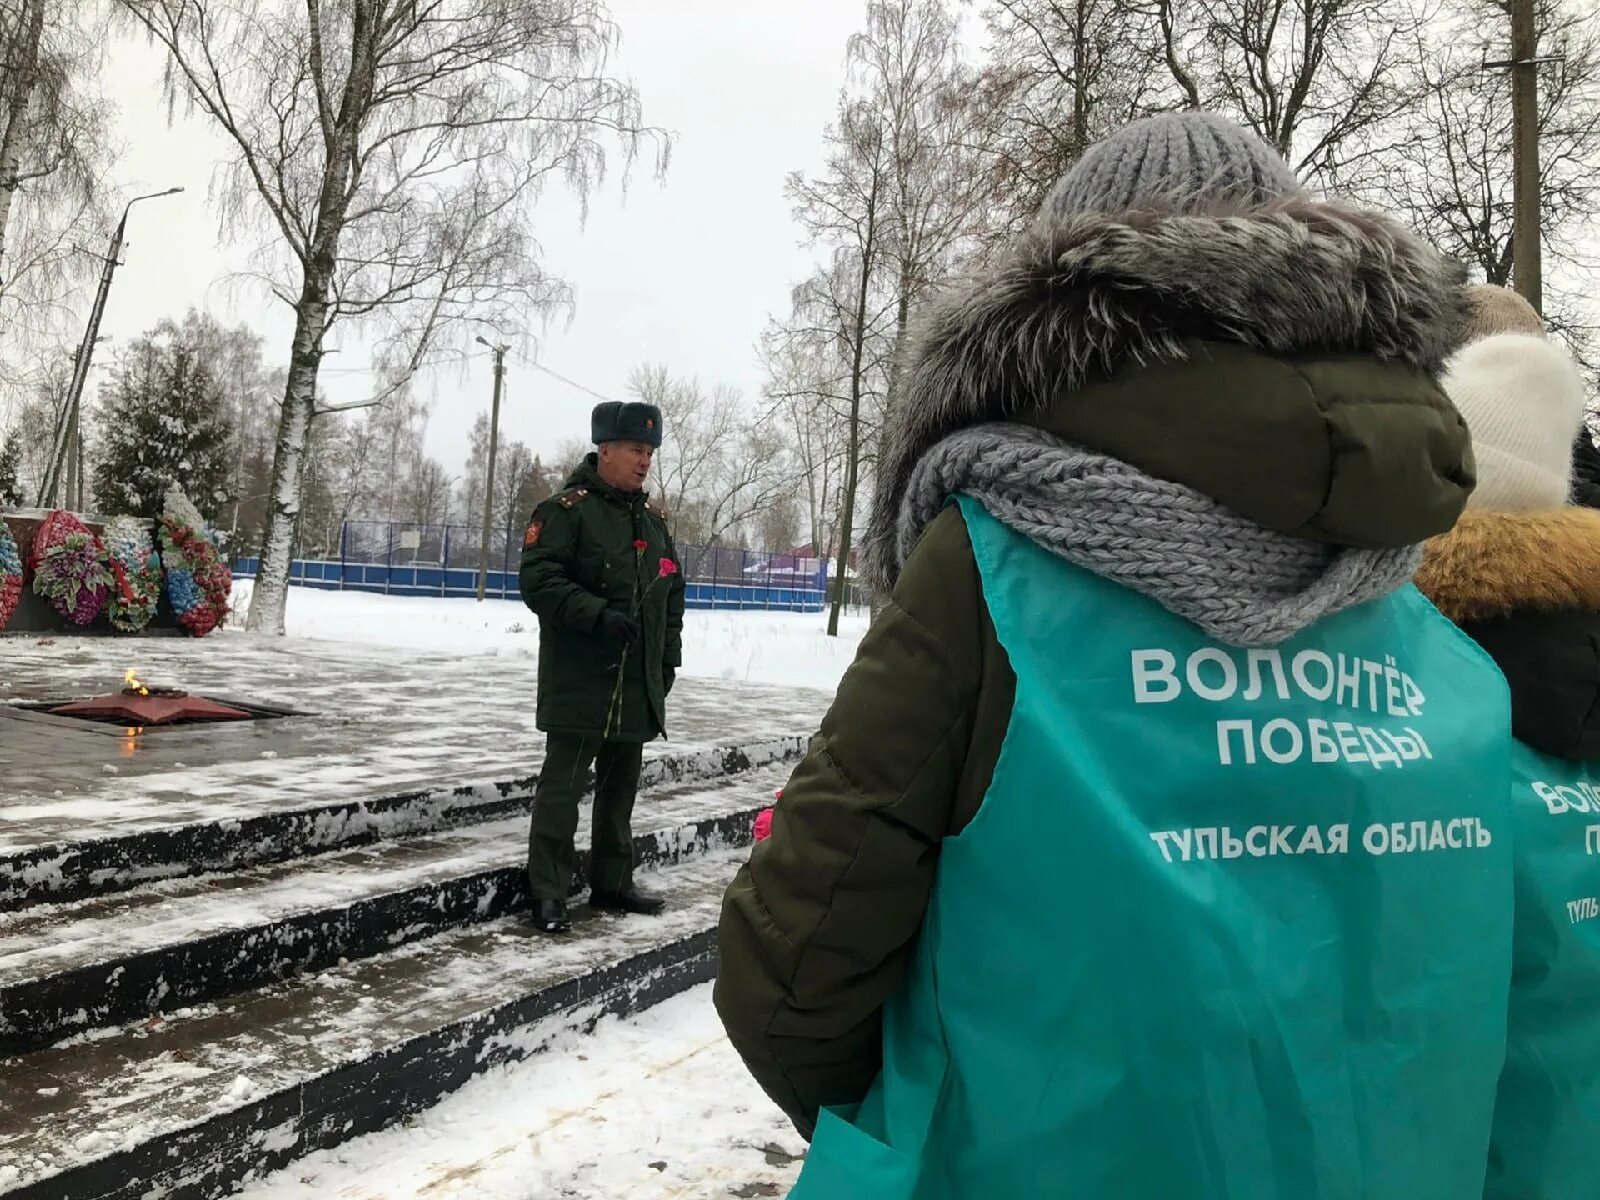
(1174, 160)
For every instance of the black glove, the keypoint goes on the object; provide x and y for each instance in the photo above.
(618, 627)
(669, 676)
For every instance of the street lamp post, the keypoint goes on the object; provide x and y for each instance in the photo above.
(494, 446)
(64, 449)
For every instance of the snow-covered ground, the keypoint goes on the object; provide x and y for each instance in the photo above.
(655, 1108)
(785, 649)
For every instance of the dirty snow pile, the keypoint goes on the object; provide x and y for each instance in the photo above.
(654, 1108)
(785, 649)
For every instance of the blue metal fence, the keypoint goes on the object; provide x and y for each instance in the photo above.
(432, 560)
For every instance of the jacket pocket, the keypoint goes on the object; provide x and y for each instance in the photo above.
(846, 1163)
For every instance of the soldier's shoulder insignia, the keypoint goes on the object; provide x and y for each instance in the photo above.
(654, 509)
(573, 498)
(531, 538)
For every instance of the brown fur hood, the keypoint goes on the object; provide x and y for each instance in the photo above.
(1077, 298)
(1526, 587)
(1496, 565)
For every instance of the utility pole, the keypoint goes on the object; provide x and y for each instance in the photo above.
(1526, 251)
(494, 447)
(74, 468)
(74, 451)
(1527, 247)
(66, 449)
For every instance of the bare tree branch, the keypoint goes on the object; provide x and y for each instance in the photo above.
(397, 148)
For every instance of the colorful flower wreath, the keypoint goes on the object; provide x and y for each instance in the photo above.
(198, 581)
(71, 571)
(136, 571)
(52, 531)
(10, 575)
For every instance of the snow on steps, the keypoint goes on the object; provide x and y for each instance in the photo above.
(190, 1107)
(74, 870)
(65, 968)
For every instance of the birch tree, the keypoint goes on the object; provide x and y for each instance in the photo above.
(908, 63)
(55, 152)
(845, 210)
(391, 151)
(53, 127)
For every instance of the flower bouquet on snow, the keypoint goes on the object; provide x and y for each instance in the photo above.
(136, 575)
(198, 581)
(10, 575)
(667, 570)
(69, 568)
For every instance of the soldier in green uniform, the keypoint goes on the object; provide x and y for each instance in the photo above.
(600, 570)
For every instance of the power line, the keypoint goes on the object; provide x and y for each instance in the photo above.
(426, 366)
(573, 383)
(525, 361)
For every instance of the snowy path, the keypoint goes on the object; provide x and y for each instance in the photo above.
(654, 1108)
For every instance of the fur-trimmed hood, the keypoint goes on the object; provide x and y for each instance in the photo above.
(1526, 587)
(1077, 299)
(1495, 565)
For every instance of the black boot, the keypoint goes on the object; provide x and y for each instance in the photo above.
(550, 916)
(630, 901)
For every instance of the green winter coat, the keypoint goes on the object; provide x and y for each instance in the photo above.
(579, 558)
(1199, 349)
(1526, 586)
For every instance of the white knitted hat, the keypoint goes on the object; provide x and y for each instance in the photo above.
(1523, 399)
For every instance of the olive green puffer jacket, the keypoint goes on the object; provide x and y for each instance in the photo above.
(1281, 363)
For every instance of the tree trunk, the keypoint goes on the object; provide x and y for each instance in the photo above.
(269, 599)
(853, 455)
(271, 595)
(1080, 82)
(23, 74)
(902, 319)
(814, 512)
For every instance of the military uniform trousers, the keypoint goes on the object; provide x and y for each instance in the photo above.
(551, 856)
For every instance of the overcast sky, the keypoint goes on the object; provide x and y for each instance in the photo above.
(682, 272)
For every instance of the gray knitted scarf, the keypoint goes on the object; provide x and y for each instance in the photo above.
(1243, 584)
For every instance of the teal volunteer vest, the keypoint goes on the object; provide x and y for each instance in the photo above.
(1546, 1143)
(1228, 925)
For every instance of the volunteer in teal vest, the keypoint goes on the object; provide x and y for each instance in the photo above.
(1157, 843)
(1521, 573)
